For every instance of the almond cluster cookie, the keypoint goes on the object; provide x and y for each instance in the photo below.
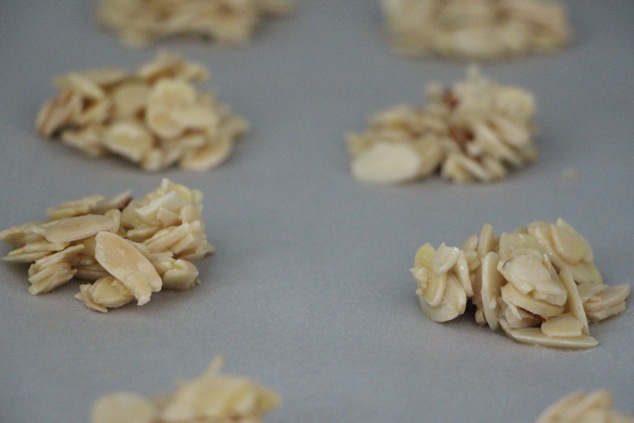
(129, 248)
(475, 29)
(153, 117)
(538, 284)
(141, 22)
(212, 397)
(476, 130)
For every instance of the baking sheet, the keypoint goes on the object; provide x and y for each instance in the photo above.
(309, 292)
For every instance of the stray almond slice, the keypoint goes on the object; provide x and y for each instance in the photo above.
(534, 336)
(563, 325)
(126, 263)
(386, 163)
(77, 227)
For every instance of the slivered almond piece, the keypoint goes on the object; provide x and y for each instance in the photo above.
(492, 282)
(574, 304)
(534, 336)
(453, 304)
(529, 275)
(538, 307)
(78, 227)
(444, 258)
(436, 289)
(563, 325)
(123, 261)
(386, 163)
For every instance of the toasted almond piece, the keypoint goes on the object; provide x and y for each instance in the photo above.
(444, 258)
(50, 278)
(129, 139)
(492, 281)
(78, 227)
(574, 304)
(129, 99)
(453, 304)
(585, 273)
(545, 310)
(123, 261)
(20, 235)
(597, 316)
(74, 208)
(563, 325)
(534, 336)
(609, 297)
(485, 241)
(107, 292)
(571, 246)
(34, 251)
(517, 244)
(208, 157)
(119, 407)
(177, 274)
(528, 274)
(386, 163)
(462, 272)
(436, 289)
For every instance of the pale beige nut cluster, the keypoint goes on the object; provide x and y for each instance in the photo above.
(129, 249)
(539, 284)
(591, 407)
(211, 398)
(141, 22)
(153, 117)
(476, 130)
(475, 29)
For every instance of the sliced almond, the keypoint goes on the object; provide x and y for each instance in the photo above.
(571, 246)
(534, 336)
(574, 304)
(444, 258)
(77, 227)
(529, 275)
(492, 282)
(123, 261)
(563, 325)
(387, 163)
(537, 307)
(453, 304)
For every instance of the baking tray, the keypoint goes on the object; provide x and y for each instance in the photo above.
(309, 292)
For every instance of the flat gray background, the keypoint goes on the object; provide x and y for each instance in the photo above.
(310, 292)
